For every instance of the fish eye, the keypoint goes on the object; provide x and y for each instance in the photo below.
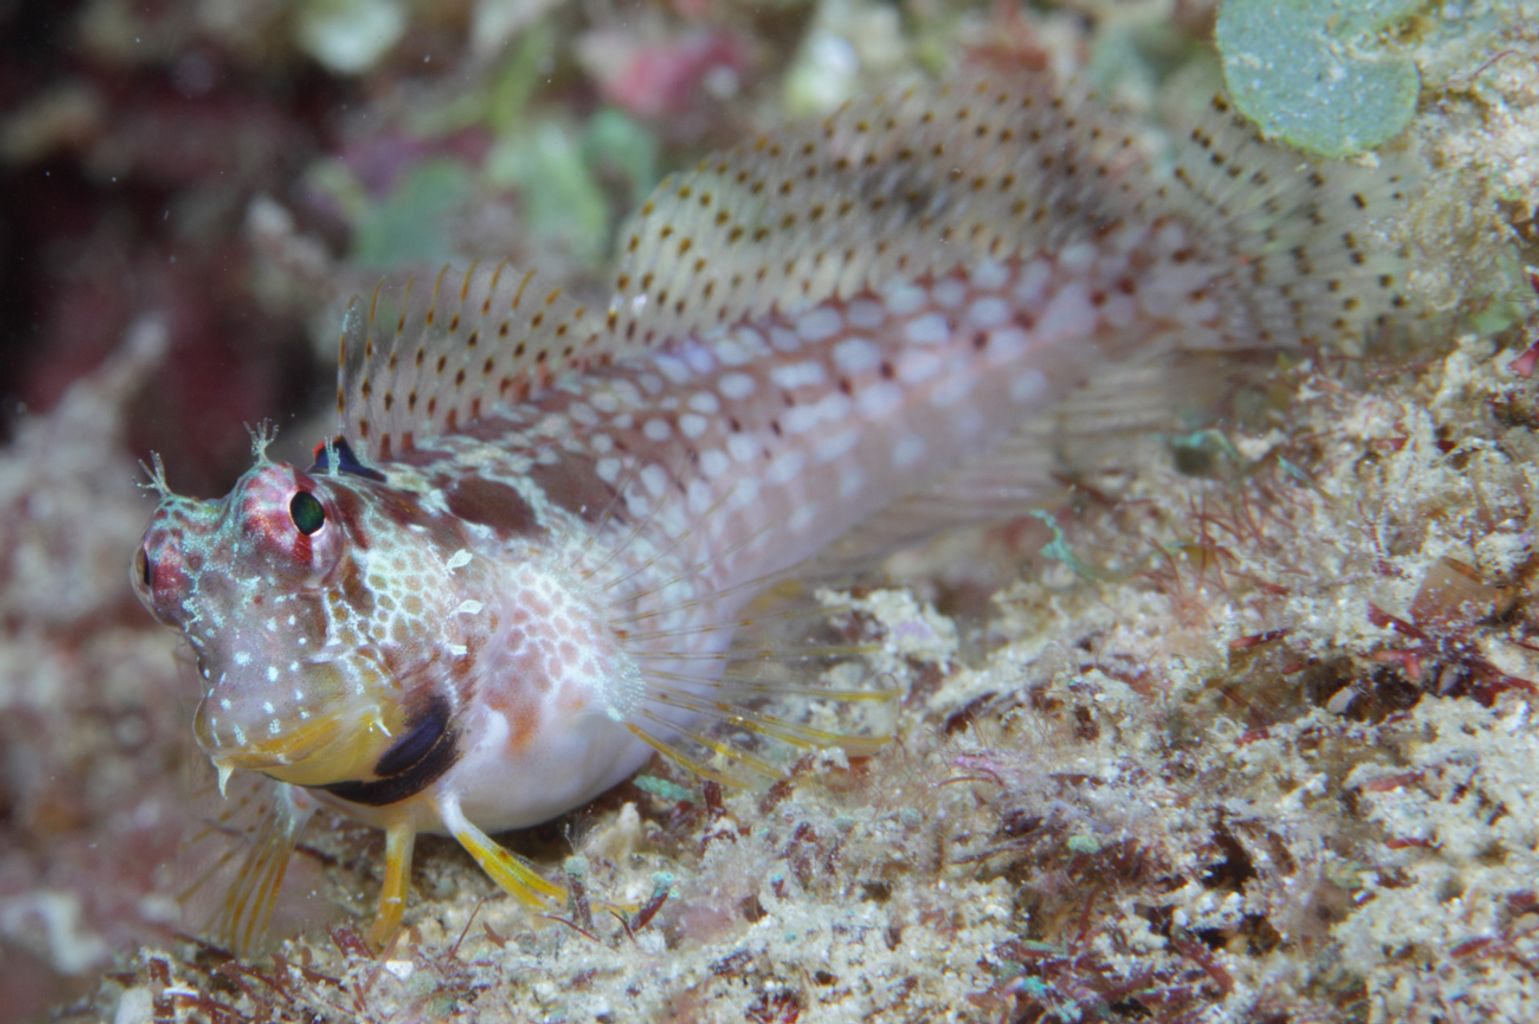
(307, 512)
(142, 567)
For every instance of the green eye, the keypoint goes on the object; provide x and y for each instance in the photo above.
(307, 512)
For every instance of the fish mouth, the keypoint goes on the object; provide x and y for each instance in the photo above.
(318, 752)
(287, 748)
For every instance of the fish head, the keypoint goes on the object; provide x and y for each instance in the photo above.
(308, 600)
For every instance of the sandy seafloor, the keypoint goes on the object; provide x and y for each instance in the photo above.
(1252, 740)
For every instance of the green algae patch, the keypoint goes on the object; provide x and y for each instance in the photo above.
(411, 225)
(1306, 71)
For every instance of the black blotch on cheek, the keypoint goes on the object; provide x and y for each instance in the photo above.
(425, 731)
(423, 753)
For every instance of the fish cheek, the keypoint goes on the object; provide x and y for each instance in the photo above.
(355, 590)
(427, 748)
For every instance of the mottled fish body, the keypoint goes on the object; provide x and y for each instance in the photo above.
(529, 576)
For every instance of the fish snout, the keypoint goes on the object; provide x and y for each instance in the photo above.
(171, 554)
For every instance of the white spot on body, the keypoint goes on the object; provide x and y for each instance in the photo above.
(458, 560)
(654, 479)
(823, 322)
(903, 298)
(857, 355)
(1033, 283)
(745, 492)
(835, 406)
(954, 387)
(626, 392)
(989, 311)
(785, 467)
(736, 386)
(1068, 314)
(714, 463)
(1007, 344)
(699, 357)
(880, 400)
(656, 430)
(949, 293)
(608, 469)
(837, 445)
(990, 275)
(676, 370)
(742, 447)
(740, 347)
(930, 329)
(1030, 386)
(692, 425)
(1079, 257)
(242, 659)
(784, 339)
(918, 366)
(807, 373)
(802, 418)
(864, 314)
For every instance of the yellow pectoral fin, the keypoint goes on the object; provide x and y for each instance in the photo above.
(507, 869)
(399, 840)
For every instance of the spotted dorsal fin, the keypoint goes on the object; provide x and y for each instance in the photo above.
(415, 361)
(923, 180)
(912, 182)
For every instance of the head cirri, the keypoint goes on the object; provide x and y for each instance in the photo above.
(303, 595)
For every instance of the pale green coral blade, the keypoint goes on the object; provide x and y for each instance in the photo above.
(1301, 70)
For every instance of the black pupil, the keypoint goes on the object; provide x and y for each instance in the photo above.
(307, 513)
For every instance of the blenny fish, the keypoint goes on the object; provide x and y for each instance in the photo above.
(517, 571)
